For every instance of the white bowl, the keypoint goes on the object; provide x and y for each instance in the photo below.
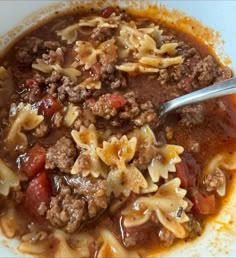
(219, 237)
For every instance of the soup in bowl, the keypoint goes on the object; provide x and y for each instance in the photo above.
(85, 171)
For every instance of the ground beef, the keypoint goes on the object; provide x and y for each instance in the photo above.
(103, 108)
(187, 51)
(53, 82)
(78, 200)
(214, 180)
(139, 235)
(66, 210)
(83, 161)
(192, 115)
(164, 76)
(146, 117)
(178, 72)
(102, 34)
(52, 44)
(225, 73)
(39, 78)
(112, 78)
(193, 227)
(109, 76)
(144, 156)
(205, 71)
(85, 118)
(94, 191)
(53, 78)
(33, 95)
(131, 109)
(42, 130)
(69, 91)
(166, 236)
(54, 56)
(62, 155)
(28, 50)
(42, 209)
(138, 114)
(57, 120)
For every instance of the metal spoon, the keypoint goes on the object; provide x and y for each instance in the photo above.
(217, 90)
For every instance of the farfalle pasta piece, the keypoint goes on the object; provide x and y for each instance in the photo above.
(168, 204)
(87, 140)
(108, 52)
(70, 33)
(8, 222)
(117, 152)
(111, 247)
(81, 248)
(90, 84)
(125, 181)
(71, 114)
(217, 167)
(124, 178)
(8, 179)
(136, 68)
(153, 31)
(160, 62)
(71, 72)
(167, 157)
(151, 187)
(144, 136)
(88, 55)
(100, 22)
(143, 43)
(25, 118)
(38, 248)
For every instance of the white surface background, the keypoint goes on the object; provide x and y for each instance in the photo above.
(220, 15)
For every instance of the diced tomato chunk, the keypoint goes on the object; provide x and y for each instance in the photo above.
(31, 83)
(204, 204)
(108, 11)
(34, 161)
(39, 190)
(49, 106)
(187, 170)
(117, 101)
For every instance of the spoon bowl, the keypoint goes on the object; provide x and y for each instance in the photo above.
(214, 91)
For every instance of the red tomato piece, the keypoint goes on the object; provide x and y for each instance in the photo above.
(49, 106)
(31, 83)
(39, 190)
(204, 204)
(108, 11)
(34, 161)
(183, 174)
(187, 170)
(117, 101)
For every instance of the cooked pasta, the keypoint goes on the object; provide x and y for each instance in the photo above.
(84, 169)
(165, 204)
(26, 118)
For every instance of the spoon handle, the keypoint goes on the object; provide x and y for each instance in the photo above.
(217, 90)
